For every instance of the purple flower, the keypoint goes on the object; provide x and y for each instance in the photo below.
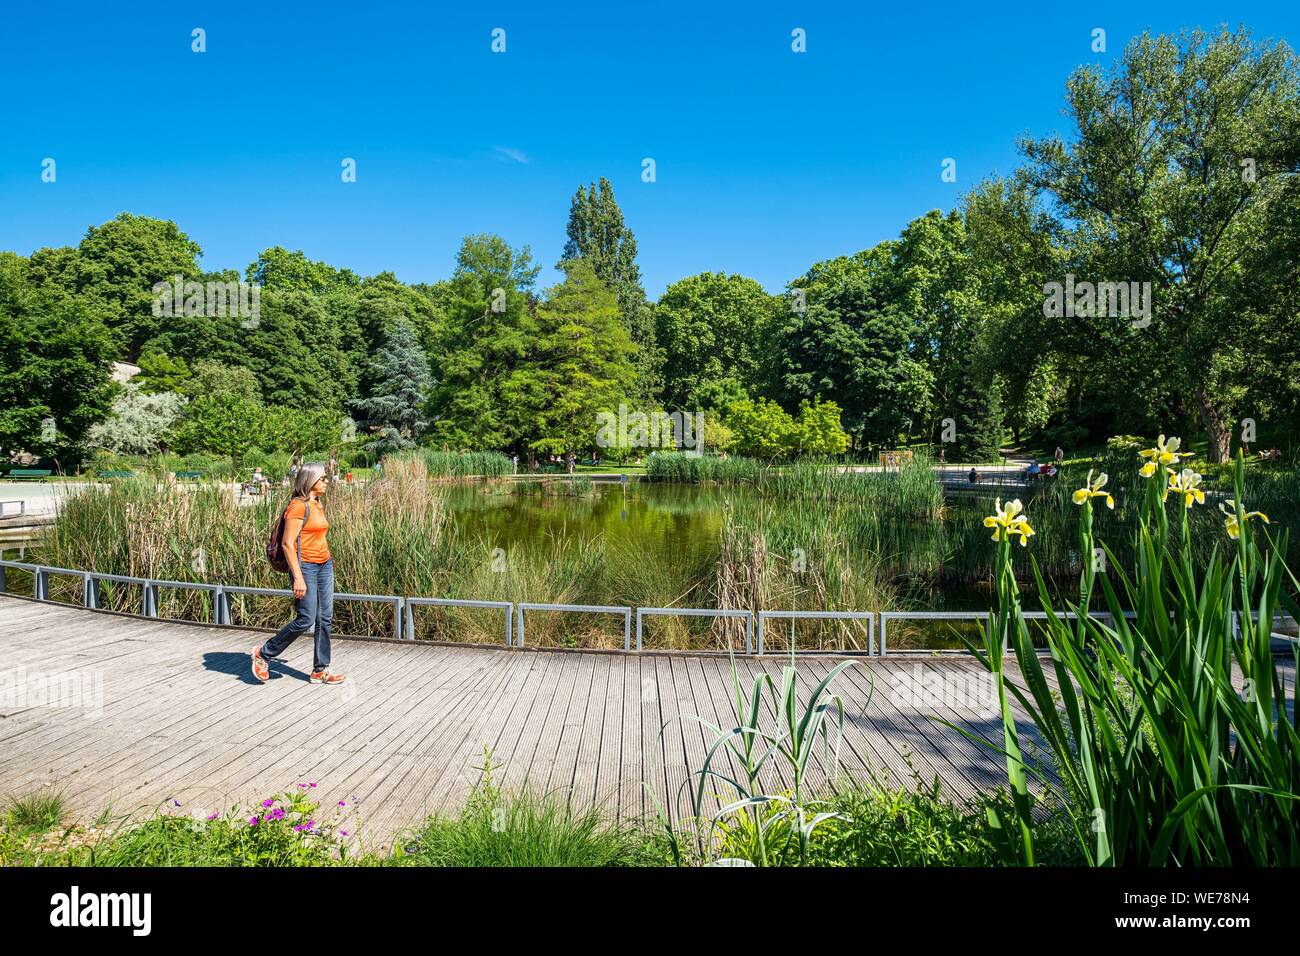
(176, 803)
(311, 784)
(252, 821)
(342, 803)
(213, 816)
(343, 832)
(276, 814)
(267, 803)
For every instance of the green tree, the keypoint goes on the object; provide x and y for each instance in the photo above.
(216, 378)
(817, 429)
(761, 428)
(301, 431)
(597, 233)
(490, 330)
(55, 360)
(854, 345)
(1182, 174)
(115, 268)
(582, 363)
(160, 373)
(713, 330)
(223, 423)
(280, 270)
(394, 408)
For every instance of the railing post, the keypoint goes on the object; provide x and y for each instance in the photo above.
(3, 588)
(638, 630)
(510, 625)
(519, 626)
(41, 586)
(87, 590)
(749, 633)
(761, 629)
(410, 621)
(398, 602)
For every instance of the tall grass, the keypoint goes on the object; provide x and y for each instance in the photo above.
(457, 464)
(680, 466)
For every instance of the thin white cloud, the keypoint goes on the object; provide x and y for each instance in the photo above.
(509, 152)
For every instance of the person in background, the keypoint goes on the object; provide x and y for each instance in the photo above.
(973, 477)
(311, 567)
(1060, 454)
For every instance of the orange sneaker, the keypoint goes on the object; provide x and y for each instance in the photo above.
(326, 677)
(261, 670)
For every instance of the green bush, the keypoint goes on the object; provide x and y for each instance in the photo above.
(497, 829)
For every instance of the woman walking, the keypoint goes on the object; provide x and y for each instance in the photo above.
(308, 555)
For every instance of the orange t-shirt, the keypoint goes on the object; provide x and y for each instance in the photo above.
(314, 548)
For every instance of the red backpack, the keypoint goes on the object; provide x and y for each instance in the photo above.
(275, 545)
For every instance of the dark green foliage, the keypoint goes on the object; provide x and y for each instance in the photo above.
(393, 411)
(54, 366)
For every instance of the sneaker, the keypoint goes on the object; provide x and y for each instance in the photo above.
(260, 669)
(326, 676)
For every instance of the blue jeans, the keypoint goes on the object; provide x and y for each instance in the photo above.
(315, 609)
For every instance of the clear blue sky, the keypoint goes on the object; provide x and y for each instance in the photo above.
(767, 160)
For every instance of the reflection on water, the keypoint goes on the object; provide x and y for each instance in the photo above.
(665, 522)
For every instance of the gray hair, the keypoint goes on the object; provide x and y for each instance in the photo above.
(310, 473)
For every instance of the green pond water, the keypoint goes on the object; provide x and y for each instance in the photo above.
(676, 523)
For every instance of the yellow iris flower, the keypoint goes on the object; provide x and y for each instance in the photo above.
(1093, 490)
(1229, 509)
(1165, 453)
(1188, 484)
(1008, 521)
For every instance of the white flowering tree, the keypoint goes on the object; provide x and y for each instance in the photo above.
(138, 422)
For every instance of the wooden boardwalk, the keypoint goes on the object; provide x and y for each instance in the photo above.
(151, 713)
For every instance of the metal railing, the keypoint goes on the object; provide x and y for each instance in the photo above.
(404, 608)
(868, 616)
(887, 616)
(20, 502)
(413, 602)
(641, 612)
(582, 609)
(396, 600)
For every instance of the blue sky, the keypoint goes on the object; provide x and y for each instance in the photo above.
(766, 160)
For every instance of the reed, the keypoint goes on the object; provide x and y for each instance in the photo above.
(457, 464)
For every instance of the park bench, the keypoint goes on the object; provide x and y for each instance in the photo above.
(29, 474)
(116, 474)
(188, 475)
